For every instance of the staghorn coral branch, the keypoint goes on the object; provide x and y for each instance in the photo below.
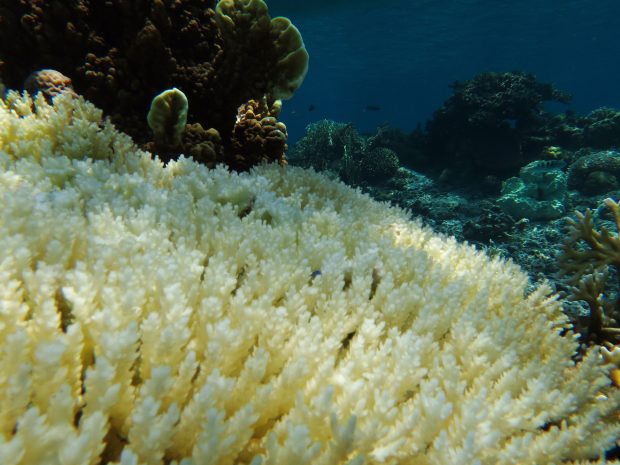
(603, 247)
(587, 255)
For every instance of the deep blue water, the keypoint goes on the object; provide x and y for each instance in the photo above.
(402, 55)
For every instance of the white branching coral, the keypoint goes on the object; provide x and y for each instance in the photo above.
(177, 315)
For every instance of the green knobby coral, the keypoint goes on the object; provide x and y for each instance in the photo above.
(167, 118)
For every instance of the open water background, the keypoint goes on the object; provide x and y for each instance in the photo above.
(402, 55)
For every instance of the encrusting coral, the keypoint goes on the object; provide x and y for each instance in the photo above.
(155, 314)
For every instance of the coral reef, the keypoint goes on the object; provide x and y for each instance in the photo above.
(258, 136)
(599, 130)
(338, 147)
(49, 82)
(267, 55)
(120, 54)
(174, 314)
(602, 128)
(539, 193)
(378, 165)
(590, 257)
(324, 144)
(167, 118)
(409, 147)
(596, 172)
(492, 124)
(204, 145)
(492, 224)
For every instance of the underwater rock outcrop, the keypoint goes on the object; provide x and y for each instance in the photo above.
(120, 54)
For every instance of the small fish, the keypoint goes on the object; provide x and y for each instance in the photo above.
(547, 165)
(372, 108)
(311, 108)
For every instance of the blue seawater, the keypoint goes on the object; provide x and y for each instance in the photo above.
(393, 60)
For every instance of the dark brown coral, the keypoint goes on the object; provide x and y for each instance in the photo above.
(258, 136)
(49, 82)
(122, 53)
(204, 145)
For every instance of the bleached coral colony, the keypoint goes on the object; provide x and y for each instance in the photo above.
(155, 314)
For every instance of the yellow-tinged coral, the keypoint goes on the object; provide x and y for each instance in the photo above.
(167, 117)
(182, 315)
(292, 63)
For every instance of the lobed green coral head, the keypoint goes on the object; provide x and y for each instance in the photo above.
(227, 9)
(167, 117)
(292, 66)
(247, 28)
